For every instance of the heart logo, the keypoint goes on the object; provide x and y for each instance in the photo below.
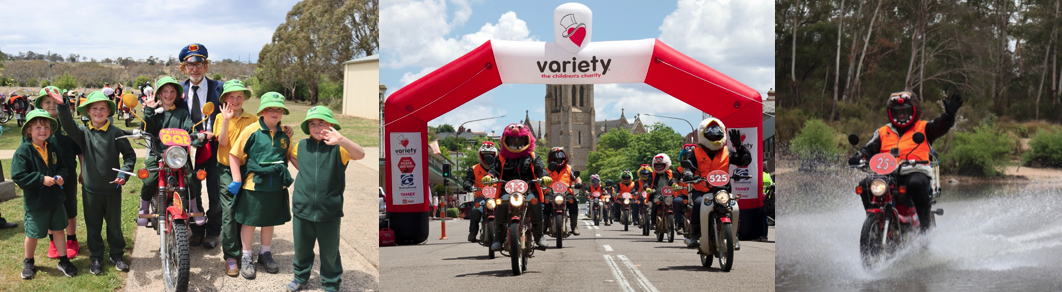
(576, 35)
(404, 141)
(742, 137)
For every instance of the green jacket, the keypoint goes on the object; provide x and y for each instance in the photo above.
(68, 151)
(28, 171)
(318, 194)
(101, 152)
(263, 151)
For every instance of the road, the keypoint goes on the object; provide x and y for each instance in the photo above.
(603, 258)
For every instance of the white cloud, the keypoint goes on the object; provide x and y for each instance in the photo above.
(478, 108)
(409, 77)
(637, 98)
(734, 37)
(414, 33)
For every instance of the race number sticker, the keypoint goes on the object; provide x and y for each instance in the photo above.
(597, 194)
(559, 187)
(490, 192)
(666, 191)
(717, 178)
(625, 195)
(516, 186)
(883, 163)
(174, 137)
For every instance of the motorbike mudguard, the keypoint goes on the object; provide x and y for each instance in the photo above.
(177, 213)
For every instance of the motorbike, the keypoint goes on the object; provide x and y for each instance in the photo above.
(889, 226)
(519, 241)
(486, 224)
(665, 222)
(170, 213)
(18, 106)
(625, 212)
(717, 232)
(5, 110)
(559, 221)
(595, 207)
(643, 212)
(125, 113)
(606, 209)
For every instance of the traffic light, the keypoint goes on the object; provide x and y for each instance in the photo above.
(446, 170)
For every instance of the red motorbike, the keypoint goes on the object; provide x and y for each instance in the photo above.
(519, 240)
(17, 106)
(889, 226)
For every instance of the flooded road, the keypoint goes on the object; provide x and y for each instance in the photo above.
(999, 237)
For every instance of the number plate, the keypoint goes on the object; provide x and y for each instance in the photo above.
(718, 178)
(883, 163)
(597, 194)
(559, 187)
(490, 192)
(516, 186)
(666, 191)
(626, 195)
(175, 137)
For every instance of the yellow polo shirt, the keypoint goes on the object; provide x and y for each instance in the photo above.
(235, 128)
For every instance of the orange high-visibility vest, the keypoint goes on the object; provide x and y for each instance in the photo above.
(890, 139)
(479, 173)
(705, 165)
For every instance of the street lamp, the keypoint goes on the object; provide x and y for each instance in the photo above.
(692, 129)
(483, 119)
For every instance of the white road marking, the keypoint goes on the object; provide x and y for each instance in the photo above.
(598, 234)
(624, 285)
(608, 248)
(642, 280)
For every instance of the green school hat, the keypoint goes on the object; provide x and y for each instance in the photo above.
(39, 114)
(168, 80)
(44, 94)
(95, 96)
(318, 112)
(234, 85)
(272, 99)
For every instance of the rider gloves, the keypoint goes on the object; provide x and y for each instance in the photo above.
(735, 138)
(952, 104)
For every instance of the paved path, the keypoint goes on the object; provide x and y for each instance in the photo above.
(603, 258)
(359, 249)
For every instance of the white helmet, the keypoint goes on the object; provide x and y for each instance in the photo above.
(108, 91)
(487, 149)
(661, 163)
(711, 134)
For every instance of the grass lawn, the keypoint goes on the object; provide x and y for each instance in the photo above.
(365, 132)
(11, 137)
(49, 278)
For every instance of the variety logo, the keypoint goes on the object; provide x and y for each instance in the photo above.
(573, 27)
(573, 30)
(405, 142)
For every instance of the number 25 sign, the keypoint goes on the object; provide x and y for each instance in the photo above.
(883, 163)
(174, 137)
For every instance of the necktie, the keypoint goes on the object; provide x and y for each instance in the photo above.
(197, 111)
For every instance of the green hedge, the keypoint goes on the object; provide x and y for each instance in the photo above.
(816, 143)
(452, 212)
(984, 152)
(1045, 148)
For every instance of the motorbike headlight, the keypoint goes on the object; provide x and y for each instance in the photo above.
(878, 187)
(516, 200)
(490, 204)
(176, 157)
(722, 197)
(626, 201)
(558, 200)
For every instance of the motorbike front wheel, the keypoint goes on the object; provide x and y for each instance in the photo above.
(726, 247)
(645, 224)
(597, 216)
(670, 229)
(660, 229)
(176, 273)
(516, 253)
(558, 227)
(490, 238)
(870, 248)
(5, 116)
(626, 220)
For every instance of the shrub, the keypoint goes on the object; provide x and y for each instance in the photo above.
(1045, 148)
(815, 144)
(983, 152)
(452, 212)
(66, 81)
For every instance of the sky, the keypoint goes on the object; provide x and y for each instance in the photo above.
(139, 29)
(733, 37)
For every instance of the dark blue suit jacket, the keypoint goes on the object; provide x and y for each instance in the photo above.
(214, 89)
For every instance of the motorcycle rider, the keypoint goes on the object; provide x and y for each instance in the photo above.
(518, 151)
(487, 156)
(613, 204)
(627, 185)
(595, 186)
(644, 175)
(711, 153)
(560, 171)
(904, 110)
(661, 175)
(682, 193)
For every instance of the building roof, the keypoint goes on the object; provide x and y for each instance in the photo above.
(373, 58)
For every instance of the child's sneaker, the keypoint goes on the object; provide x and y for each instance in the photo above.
(95, 267)
(119, 264)
(53, 253)
(144, 209)
(266, 259)
(27, 269)
(72, 247)
(293, 286)
(67, 268)
(247, 267)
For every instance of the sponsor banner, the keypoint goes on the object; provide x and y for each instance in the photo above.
(405, 153)
(747, 188)
(597, 63)
(572, 26)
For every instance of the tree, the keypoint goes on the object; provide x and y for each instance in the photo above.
(66, 81)
(446, 128)
(45, 83)
(217, 76)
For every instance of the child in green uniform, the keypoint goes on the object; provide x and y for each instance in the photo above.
(317, 201)
(263, 199)
(102, 189)
(160, 113)
(233, 120)
(37, 169)
(68, 150)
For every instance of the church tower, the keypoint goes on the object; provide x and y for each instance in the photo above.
(570, 121)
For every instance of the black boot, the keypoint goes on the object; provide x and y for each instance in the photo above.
(499, 236)
(575, 227)
(473, 226)
(695, 235)
(536, 229)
